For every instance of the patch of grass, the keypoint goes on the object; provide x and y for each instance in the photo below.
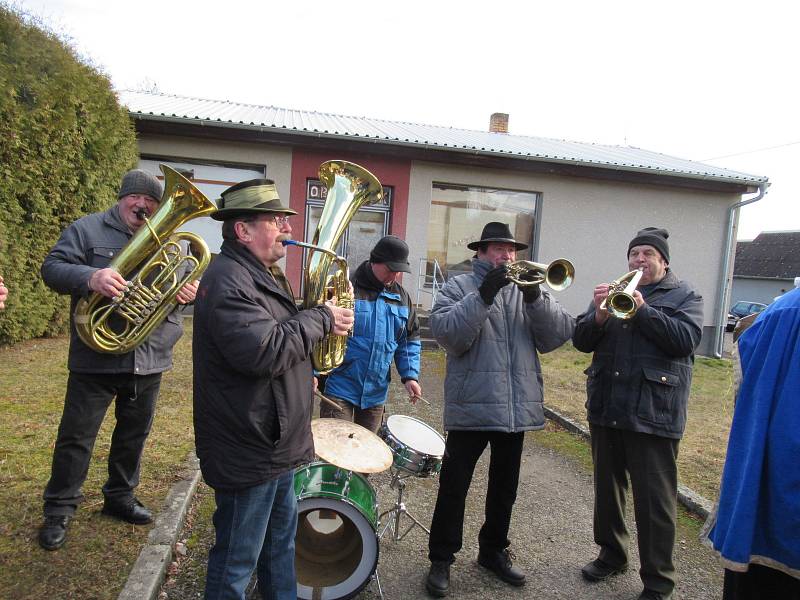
(703, 447)
(98, 555)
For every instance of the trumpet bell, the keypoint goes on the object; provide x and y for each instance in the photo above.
(558, 275)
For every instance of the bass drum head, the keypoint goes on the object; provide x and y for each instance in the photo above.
(336, 550)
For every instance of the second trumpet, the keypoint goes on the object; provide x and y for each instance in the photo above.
(620, 301)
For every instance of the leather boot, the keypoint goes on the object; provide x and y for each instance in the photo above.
(501, 564)
(53, 532)
(597, 570)
(131, 511)
(438, 581)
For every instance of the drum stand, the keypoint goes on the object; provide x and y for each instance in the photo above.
(398, 510)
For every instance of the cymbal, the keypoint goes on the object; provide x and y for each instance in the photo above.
(350, 446)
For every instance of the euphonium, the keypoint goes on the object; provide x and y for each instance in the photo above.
(117, 325)
(620, 301)
(349, 188)
(558, 275)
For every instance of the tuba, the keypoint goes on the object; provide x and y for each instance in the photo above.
(350, 187)
(620, 302)
(558, 275)
(118, 325)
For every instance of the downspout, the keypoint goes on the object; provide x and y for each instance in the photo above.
(722, 293)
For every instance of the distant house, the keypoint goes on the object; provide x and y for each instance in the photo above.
(766, 266)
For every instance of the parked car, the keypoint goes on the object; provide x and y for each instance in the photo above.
(741, 309)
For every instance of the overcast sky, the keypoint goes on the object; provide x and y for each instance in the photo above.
(711, 81)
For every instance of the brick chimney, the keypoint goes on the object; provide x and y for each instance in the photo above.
(498, 123)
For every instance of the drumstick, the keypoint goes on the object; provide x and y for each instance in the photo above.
(420, 398)
(329, 401)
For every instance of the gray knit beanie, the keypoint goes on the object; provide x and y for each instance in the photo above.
(652, 236)
(140, 182)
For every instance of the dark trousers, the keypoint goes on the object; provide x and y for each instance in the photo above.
(760, 583)
(462, 451)
(650, 461)
(87, 400)
(369, 418)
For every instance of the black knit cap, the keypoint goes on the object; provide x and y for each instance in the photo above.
(140, 182)
(392, 252)
(652, 236)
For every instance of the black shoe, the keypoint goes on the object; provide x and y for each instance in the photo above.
(132, 511)
(438, 581)
(597, 570)
(53, 533)
(653, 595)
(500, 563)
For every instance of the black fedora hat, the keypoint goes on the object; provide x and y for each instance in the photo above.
(499, 233)
(252, 197)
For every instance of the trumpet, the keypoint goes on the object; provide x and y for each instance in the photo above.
(558, 275)
(620, 302)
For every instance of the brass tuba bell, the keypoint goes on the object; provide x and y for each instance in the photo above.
(350, 187)
(118, 325)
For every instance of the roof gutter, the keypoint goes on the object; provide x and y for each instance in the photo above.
(722, 292)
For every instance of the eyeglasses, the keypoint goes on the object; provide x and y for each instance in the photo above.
(279, 220)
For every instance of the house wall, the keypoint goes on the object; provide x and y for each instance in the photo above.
(758, 290)
(591, 222)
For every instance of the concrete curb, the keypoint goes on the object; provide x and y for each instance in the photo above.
(691, 500)
(148, 572)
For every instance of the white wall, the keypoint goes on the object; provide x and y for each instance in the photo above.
(591, 222)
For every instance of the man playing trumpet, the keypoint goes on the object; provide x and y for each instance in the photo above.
(493, 333)
(638, 388)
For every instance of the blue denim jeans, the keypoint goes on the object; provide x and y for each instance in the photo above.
(255, 528)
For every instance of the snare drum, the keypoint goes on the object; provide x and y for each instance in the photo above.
(417, 447)
(336, 546)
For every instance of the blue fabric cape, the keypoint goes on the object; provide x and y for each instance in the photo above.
(758, 515)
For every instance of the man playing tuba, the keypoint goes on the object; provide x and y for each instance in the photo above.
(253, 392)
(77, 265)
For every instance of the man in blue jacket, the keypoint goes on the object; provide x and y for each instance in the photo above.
(386, 329)
(755, 528)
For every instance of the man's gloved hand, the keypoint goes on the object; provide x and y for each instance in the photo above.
(492, 282)
(530, 293)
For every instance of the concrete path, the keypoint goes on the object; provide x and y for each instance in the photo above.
(551, 537)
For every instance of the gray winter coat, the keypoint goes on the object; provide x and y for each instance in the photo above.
(494, 379)
(641, 371)
(85, 246)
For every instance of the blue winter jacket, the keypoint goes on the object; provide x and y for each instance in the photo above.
(386, 328)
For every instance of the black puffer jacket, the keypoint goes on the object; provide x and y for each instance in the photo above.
(253, 380)
(641, 371)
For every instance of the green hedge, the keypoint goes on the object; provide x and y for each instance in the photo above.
(65, 142)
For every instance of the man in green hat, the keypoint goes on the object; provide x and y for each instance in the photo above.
(253, 392)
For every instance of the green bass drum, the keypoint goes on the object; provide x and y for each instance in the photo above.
(336, 547)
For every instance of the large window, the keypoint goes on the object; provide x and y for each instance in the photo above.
(458, 214)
